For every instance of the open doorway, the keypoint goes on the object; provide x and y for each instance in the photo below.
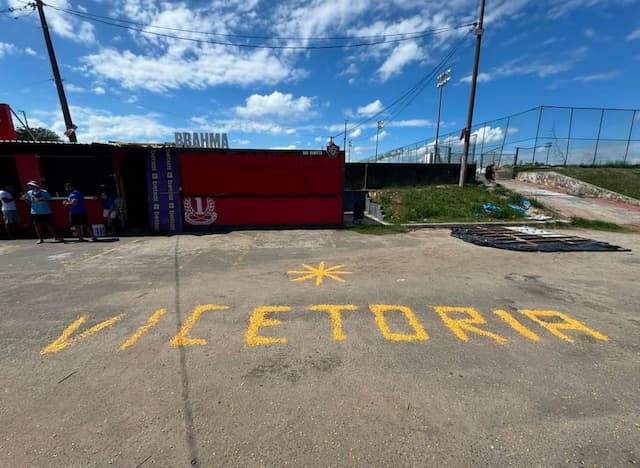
(133, 185)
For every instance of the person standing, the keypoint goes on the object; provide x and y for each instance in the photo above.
(78, 217)
(9, 211)
(39, 199)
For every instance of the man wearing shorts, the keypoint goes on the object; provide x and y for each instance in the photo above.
(9, 210)
(39, 199)
(77, 212)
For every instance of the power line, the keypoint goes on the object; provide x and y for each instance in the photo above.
(246, 36)
(143, 29)
(411, 94)
(11, 10)
(420, 33)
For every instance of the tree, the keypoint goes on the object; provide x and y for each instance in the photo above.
(40, 134)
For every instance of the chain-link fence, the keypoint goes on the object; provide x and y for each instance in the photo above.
(547, 135)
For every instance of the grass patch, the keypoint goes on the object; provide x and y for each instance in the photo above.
(446, 203)
(378, 229)
(624, 180)
(596, 225)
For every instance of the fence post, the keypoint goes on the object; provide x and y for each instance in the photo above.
(515, 163)
(595, 153)
(633, 120)
(449, 155)
(533, 160)
(366, 169)
(504, 139)
(566, 153)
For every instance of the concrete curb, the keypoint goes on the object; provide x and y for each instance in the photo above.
(487, 223)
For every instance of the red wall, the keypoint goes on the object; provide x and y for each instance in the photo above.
(266, 187)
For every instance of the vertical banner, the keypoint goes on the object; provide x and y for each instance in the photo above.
(163, 181)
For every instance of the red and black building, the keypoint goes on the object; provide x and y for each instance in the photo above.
(169, 189)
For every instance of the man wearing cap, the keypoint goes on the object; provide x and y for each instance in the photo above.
(39, 199)
(77, 212)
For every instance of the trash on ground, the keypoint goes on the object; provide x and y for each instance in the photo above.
(527, 239)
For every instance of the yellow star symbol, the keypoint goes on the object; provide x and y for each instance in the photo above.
(319, 273)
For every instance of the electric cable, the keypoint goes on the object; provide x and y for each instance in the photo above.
(143, 29)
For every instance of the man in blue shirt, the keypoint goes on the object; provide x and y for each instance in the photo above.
(77, 212)
(39, 199)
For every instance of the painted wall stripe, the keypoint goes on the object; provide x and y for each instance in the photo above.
(379, 310)
(461, 325)
(151, 322)
(336, 319)
(258, 319)
(182, 338)
(568, 323)
(516, 325)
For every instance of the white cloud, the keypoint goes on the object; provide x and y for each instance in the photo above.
(99, 125)
(277, 104)
(6, 49)
(489, 134)
(74, 88)
(30, 51)
(316, 18)
(598, 76)
(380, 136)
(352, 69)
(370, 109)
(174, 69)
(523, 67)
(234, 126)
(589, 33)
(410, 123)
(482, 78)
(403, 54)
(64, 24)
(356, 133)
(99, 90)
(635, 34)
(559, 8)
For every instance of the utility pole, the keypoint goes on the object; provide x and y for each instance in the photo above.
(349, 153)
(472, 94)
(70, 127)
(380, 125)
(443, 79)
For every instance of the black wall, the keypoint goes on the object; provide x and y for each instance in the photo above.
(381, 175)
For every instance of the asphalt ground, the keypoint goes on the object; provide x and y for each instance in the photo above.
(413, 349)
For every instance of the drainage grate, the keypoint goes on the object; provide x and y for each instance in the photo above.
(528, 239)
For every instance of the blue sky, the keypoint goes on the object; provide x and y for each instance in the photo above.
(128, 85)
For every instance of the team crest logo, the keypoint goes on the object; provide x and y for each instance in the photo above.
(333, 150)
(198, 215)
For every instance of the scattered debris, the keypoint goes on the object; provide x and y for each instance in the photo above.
(74, 372)
(529, 239)
(490, 207)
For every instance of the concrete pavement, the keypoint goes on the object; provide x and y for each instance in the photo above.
(570, 206)
(318, 348)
